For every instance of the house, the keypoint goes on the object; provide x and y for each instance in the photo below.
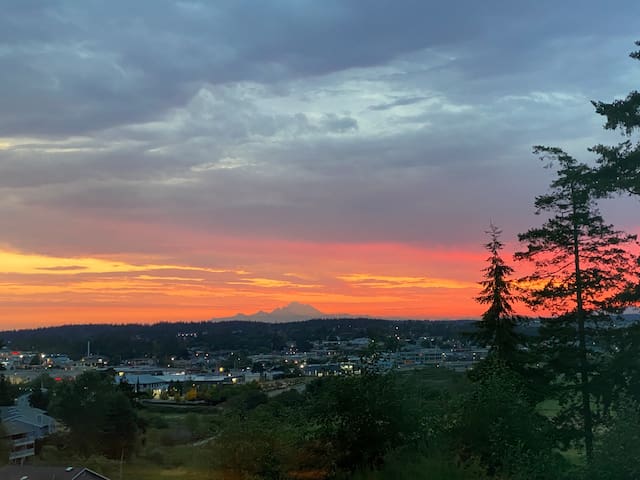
(23, 425)
(15, 359)
(199, 380)
(321, 369)
(152, 384)
(58, 361)
(360, 343)
(41, 423)
(28, 472)
(96, 361)
(141, 362)
(21, 439)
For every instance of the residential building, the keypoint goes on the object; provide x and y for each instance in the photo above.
(28, 472)
(40, 423)
(22, 440)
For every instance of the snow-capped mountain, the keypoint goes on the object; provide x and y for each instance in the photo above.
(294, 312)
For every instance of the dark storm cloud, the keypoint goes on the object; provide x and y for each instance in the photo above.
(70, 68)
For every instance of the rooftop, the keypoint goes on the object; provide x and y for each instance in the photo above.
(28, 472)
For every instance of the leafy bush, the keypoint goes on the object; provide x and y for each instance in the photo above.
(618, 448)
(497, 424)
(417, 466)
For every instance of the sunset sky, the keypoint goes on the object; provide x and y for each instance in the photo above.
(182, 160)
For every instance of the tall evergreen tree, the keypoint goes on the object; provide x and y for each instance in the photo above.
(100, 417)
(619, 169)
(497, 327)
(581, 265)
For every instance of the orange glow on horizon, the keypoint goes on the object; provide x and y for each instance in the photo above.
(377, 280)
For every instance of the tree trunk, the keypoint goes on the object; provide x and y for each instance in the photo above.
(582, 345)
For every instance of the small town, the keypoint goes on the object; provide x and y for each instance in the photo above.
(198, 379)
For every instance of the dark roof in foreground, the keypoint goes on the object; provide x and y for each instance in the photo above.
(28, 472)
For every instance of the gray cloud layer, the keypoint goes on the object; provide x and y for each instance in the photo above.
(334, 121)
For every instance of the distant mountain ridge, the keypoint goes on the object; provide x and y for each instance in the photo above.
(293, 312)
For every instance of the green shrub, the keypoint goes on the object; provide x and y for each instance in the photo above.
(415, 466)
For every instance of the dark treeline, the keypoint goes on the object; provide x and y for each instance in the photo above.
(165, 339)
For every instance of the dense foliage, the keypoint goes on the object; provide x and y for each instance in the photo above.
(99, 415)
(164, 340)
(8, 391)
(619, 165)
